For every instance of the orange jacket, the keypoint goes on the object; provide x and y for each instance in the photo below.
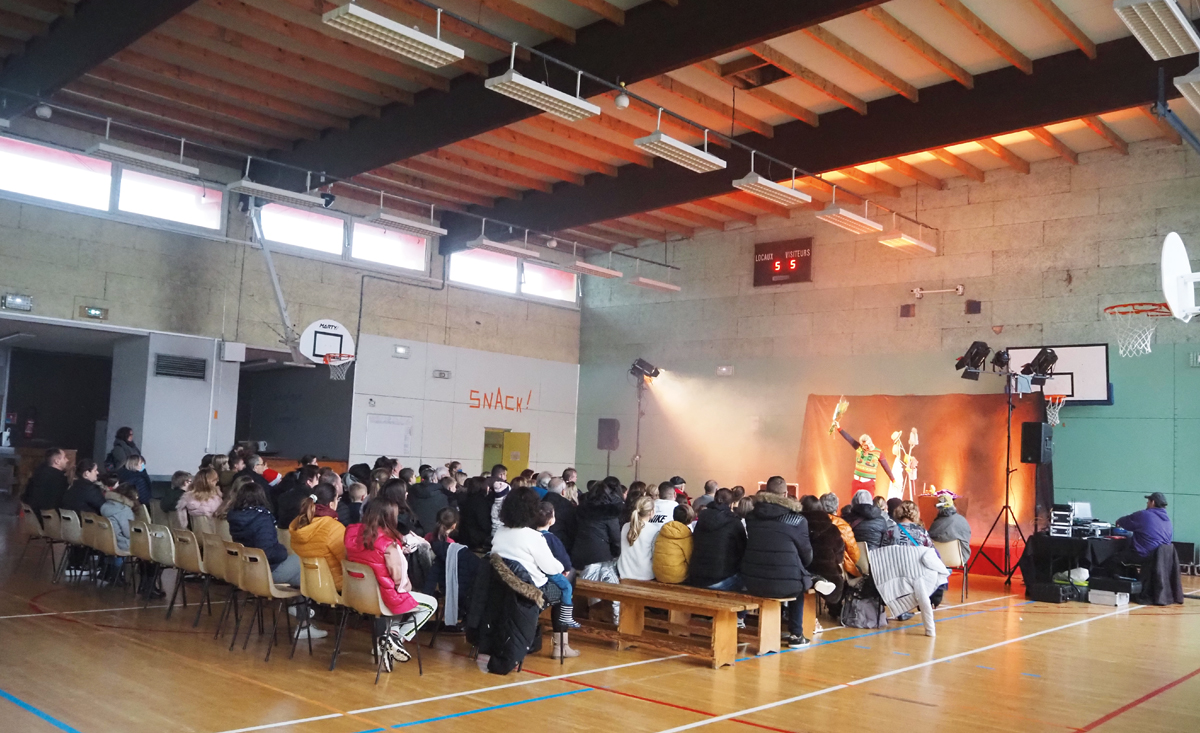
(323, 537)
(850, 563)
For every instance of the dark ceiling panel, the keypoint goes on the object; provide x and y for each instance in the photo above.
(1062, 87)
(99, 29)
(655, 39)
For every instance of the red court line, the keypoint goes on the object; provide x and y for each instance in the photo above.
(660, 702)
(1129, 706)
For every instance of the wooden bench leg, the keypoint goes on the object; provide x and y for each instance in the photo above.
(679, 618)
(770, 616)
(633, 623)
(724, 638)
(810, 615)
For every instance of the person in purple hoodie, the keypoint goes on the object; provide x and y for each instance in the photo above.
(1151, 527)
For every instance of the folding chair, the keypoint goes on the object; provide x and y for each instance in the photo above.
(139, 549)
(188, 559)
(257, 581)
(951, 554)
(213, 548)
(317, 586)
(285, 538)
(223, 530)
(360, 593)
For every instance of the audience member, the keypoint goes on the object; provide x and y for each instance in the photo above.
(1151, 527)
(227, 468)
(202, 498)
(426, 500)
(119, 506)
(743, 508)
(890, 506)
(680, 487)
(673, 547)
(47, 484)
(951, 526)
(180, 481)
(350, 507)
(206, 461)
(778, 554)
(718, 544)
(738, 494)
(828, 549)
(134, 472)
(316, 531)
(908, 529)
(564, 513)
(498, 493)
(251, 523)
(85, 493)
(361, 473)
(636, 560)
(287, 504)
(122, 448)
(475, 516)
(598, 533)
(570, 475)
(254, 468)
(571, 492)
(566, 615)
(519, 540)
(829, 502)
(407, 475)
(710, 488)
(869, 525)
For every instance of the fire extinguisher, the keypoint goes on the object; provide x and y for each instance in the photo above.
(30, 420)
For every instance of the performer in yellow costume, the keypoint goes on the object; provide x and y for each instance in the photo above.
(867, 460)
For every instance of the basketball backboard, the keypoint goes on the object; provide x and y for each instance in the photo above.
(1080, 374)
(324, 337)
(1178, 281)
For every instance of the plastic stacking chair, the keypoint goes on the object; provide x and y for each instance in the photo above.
(285, 538)
(951, 553)
(139, 548)
(72, 536)
(257, 581)
(106, 540)
(52, 529)
(37, 533)
(162, 553)
(223, 530)
(231, 569)
(213, 548)
(188, 559)
(317, 586)
(203, 525)
(360, 593)
(143, 514)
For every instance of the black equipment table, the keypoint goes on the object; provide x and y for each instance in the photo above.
(1043, 552)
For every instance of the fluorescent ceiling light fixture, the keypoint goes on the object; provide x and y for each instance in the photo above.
(1160, 26)
(897, 239)
(543, 96)
(645, 282)
(587, 268)
(1189, 86)
(391, 35)
(408, 226)
(278, 195)
(488, 245)
(679, 152)
(765, 188)
(141, 161)
(846, 219)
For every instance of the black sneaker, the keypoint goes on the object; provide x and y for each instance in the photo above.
(796, 642)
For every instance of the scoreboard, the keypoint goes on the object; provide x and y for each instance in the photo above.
(780, 263)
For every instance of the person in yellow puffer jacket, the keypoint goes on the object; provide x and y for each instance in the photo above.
(673, 547)
(316, 532)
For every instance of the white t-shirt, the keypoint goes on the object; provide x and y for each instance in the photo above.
(528, 547)
(637, 561)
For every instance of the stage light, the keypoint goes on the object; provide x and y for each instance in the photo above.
(1160, 26)
(643, 368)
(543, 96)
(512, 250)
(278, 195)
(679, 152)
(765, 188)
(1041, 366)
(391, 35)
(141, 161)
(1000, 360)
(971, 362)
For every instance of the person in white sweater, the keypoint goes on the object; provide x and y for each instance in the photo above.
(637, 542)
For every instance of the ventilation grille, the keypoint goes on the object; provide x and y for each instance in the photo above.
(181, 367)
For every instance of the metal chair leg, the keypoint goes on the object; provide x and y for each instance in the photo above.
(274, 626)
(174, 593)
(258, 613)
(337, 642)
(231, 607)
(203, 595)
(417, 644)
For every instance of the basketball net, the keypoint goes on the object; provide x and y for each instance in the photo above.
(339, 365)
(1054, 403)
(1134, 325)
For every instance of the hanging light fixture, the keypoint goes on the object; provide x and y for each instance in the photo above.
(271, 193)
(401, 224)
(1161, 27)
(488, 245)
(133, 159)
(391, 35)
(765, 188)
(848, 220)
(679, 152)
(897, 239)
(582, 267)
(513, 83)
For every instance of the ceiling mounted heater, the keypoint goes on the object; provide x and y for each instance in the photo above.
(848, 220)
(765, 188)
(278, 195)
(1160, 26)
(645, 282)
(511, 250)
(513, 83)
(1189, 86)
(391, 35)
(141, 161)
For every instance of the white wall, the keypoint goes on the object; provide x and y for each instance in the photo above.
(127, 395)
(447, 423)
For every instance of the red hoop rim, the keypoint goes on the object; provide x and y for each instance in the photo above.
(330, 358)
(1055, 398)
(1152, 310)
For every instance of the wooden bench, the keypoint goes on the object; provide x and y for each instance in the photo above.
(770, 613)
(720, 647)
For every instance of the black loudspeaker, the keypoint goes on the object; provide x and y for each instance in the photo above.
(608, 434)
(1037, 444)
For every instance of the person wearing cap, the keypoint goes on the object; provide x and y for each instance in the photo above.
(1151, 527)
(950, 525)
(680, 488)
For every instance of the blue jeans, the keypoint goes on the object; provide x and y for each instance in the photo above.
(564, 585)
(732, 583)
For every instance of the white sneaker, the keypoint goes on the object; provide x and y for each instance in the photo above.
(303, 631)
(824, 587)
(295, 610)
(817, 628)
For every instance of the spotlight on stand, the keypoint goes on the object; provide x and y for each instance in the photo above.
(1041, 366)
(1000, 360)
(971, 363)
(644, 369)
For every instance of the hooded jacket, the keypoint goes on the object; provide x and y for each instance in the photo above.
(778, 552)
(503, 617)
(119, 511)
(323, 537)
(718, 544)
(950, 526)
(140, 480)
(869, 525)
(255, 527)
(672, 553)
(83, 496)
(426, 500)
(1150, 527)
(121, 451)
(598, 528)
(475, 521)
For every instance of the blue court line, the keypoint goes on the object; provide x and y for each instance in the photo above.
(1030, 674)
(31, 709)
(983, 667)
(860, 646)
(906, 654)
(475, 712)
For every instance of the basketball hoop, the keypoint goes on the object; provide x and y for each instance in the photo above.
(338, 365)
(1134, 325)
(1054, 403)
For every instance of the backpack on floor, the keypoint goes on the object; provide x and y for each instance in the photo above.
(862, 608)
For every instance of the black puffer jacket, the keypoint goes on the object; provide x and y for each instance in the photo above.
(869, 525)
(503, 616)
(426, 501)
(475, 521)
(829, 551)
(597, 528)
(83, 496)
(564, 519)
(255, 527)
(778, 552)
(718, 544)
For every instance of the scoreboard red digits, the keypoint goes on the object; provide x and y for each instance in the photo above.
(779, 263)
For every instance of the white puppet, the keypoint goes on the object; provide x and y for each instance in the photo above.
(904, 482)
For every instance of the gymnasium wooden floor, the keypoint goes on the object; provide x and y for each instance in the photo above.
(74, 658)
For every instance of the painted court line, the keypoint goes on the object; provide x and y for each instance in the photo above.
(92, 610)
(892, 673)
(31, 709)
(1131, 705)
(480, 710)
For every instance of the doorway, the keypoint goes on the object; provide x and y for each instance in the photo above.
(503, 446)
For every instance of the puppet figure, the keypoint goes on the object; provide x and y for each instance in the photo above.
(906, 463)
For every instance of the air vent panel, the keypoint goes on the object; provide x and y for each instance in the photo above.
(180, 367)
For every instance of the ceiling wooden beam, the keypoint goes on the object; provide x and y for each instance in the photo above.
(872, 181)
(1099, 127)
(550, 150)
(588, 235)
(19, 26)
(909, 170)
(1167, 131)
(253, 98)
(489, 170)
(391, 205)
(958, 164)
(625, 227)
(199, 103)
(755, 202)
(450, 25)
(763, 94)
(724, 210)
(309, 38)
(1048, 139)
(920, 46)
(691, 216)
(985, 33)
(421, 185)
(158, 45)
(604, 9)
(478, 147)
(429, 171)
(861, 61)
(232, 151)
(669, 123)
(392, 188)
(738, 66)
(63, 8)
(1067, 26)
(526, 15)
(581, 138)
(811, 78)
(716, 106)
(1013, 160)
(654, 220)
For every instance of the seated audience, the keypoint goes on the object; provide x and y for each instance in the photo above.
(85, 493)
(564, 513)
(570, 475)
(673, 546)
(828, 549)
(1151, 527)
(119, 506)
(718, 544)
(227, 468)
(744, 506)
(45, 488)
(869, 525)
(778, 553)
(454, 569)
(134, 472)
(598, 533)
(829, 502)
(499, 492)
(908, 529)
(350, 507)
(251, 523)
(636, 560)
(316, 531)
(448, 486)
(542, 484)
(376, 543)
(201, 499)
(475, 516)
(255, 468)
(180, 481)
(710, 488)
(519, 540)
(950, 526)
(426, 500)
(287, 504)
(566, 614)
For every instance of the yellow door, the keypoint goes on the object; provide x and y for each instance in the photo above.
(516, 453)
